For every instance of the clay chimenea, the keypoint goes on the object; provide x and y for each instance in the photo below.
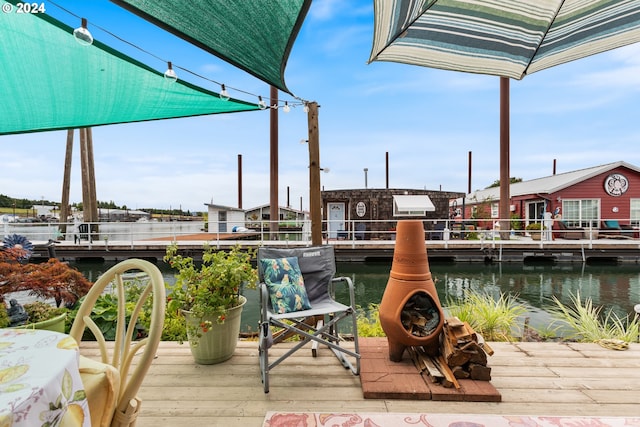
(410, 311)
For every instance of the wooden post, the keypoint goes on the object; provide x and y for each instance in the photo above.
(92, 177)
(239, 181)
(505, 180)
(89, 199)
(274, 208)
(315, 197)
(84, 170)
(66, 183)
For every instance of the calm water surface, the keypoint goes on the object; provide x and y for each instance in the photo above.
(615, 287)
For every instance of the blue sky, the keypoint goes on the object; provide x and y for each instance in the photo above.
(580, 114)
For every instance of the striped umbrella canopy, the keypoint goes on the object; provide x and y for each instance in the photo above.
(506, 38)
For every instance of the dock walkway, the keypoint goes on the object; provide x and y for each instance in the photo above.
(516, 250)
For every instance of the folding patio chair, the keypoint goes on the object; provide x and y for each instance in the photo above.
(297, 297)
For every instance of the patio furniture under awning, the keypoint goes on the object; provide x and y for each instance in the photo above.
(412, 204)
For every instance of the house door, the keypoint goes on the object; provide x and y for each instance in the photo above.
(535, 211)
(336, 219)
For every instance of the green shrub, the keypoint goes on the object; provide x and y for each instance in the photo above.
(105, 312)
(496, 319)
(4, 316)
(39, 311)
(369, 321)
(175, 328)
(587, 323)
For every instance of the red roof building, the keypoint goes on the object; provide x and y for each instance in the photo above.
(583, 198)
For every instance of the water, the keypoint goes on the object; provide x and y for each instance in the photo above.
(615, 287)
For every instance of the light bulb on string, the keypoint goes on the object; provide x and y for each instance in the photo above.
(286, 107)
(82, 35)
(224, 95)
(262, 103)
(170, 74)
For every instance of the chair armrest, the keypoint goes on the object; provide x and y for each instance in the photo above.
(264, 299)
(349, 282)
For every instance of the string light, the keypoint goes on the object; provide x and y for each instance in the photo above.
(170, 74)
(224, 95)
(82, 35)
(262, 103)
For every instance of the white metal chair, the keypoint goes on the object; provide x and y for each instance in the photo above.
(321, 322)
(112, 384)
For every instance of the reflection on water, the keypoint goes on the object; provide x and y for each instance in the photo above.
(612, 287)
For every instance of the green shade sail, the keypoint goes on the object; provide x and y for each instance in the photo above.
(50, 82)
(255, 36)
(508, 38)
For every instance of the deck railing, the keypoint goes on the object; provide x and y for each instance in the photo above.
(347, 230)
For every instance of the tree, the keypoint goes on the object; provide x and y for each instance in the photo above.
(512, 180)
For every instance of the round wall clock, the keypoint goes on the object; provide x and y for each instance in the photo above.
(616, 184)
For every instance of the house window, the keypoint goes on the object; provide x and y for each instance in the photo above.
(495, 210)
(635, 212)
(581, 213)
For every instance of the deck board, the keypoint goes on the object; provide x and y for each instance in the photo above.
(533, 378)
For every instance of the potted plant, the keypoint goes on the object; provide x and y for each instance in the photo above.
(54, 286)
(534, 230)
(208, 295)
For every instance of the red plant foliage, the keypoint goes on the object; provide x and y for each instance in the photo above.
(53, 279)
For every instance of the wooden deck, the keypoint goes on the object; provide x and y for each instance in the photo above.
(533, 379)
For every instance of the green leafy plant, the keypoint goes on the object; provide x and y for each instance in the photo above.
(105, 312)
(368, 321)
(535, 226)
(516, 222)
(587, 323)
(174, 328)
(39, 311)
(4, 316)
(496, 319)
(210, 287)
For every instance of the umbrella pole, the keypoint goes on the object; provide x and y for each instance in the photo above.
(505, 181)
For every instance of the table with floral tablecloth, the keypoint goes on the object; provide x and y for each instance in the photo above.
(40, 383)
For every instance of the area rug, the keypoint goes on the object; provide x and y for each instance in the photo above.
(387, 419)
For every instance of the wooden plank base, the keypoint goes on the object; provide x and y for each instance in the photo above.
(383, 379)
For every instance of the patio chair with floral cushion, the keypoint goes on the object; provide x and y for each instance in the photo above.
(297, 299)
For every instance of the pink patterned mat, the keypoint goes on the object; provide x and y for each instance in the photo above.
(386, 419)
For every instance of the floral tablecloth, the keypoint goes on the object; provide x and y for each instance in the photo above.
(40, 383)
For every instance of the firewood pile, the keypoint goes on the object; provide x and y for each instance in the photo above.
(419, 316)
(463, 354)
